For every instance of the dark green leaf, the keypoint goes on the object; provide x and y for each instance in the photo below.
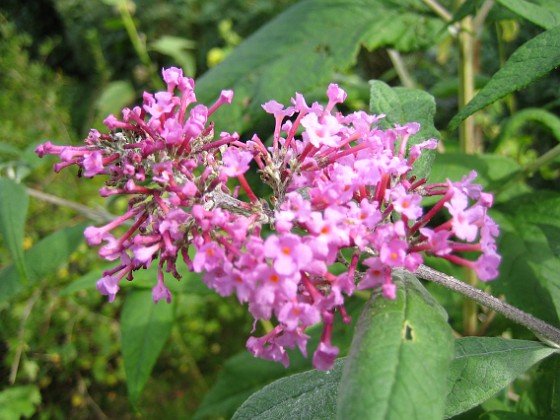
(493, 171)
(308, 395)
(276, 61)
(542, 398)
(145, 327)
(528, 63)
(190, 283)
(399, 359)
(13, 210)
(485, 365)
(546, 14)
(243, 374)
(402, 105)
(530, 246)
(42, 260)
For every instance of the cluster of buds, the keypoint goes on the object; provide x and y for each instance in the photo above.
(341, 191)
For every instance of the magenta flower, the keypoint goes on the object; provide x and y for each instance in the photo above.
(341, 191)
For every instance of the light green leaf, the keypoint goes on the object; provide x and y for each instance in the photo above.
(42, 259)
(308, 395)
(485, 365)
(13, 210)
(546, 14)
(528, 63)
(114, 97)
(276, 62)
(399, 359)
(19, 401)
(178, 49)
(403, 105)
(145, 327)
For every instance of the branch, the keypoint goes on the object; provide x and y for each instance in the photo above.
(545, 332)
(100, 216)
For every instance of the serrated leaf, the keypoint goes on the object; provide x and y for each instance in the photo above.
(13, 211)
(19, 402)
(403, 105)
(546, 14)
(308, 395)
(530, 246)
(145, 327)
(528, 63)
(274, 63)
(399, 359)
(42, 260)
(485, 365)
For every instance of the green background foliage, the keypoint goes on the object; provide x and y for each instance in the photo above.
(66, 353)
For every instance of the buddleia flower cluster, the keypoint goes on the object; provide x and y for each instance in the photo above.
(341, 190)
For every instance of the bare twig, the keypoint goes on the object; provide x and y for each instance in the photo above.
(100, 216)
(545, 332)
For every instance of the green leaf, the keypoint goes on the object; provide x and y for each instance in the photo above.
(530, 247)
(491, 170)
(546, 14)
(19, 401)
(399, 359)
(43, 259)
(177, 48)
(542, 398)
(275, 62)
(307, 395)
(146, 278)
(485, 365)
(13, 210)
(145, 327)
(243, 375)
(114, 97)
(520, 118)
(529, 62)
(403, 105)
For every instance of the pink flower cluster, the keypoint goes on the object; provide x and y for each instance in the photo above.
(341, 192)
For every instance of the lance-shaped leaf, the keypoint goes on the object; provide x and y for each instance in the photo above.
(302, 48)
(528, 63)
(243, 374)
(546, 14)
(307, 395)
(13, 209)
(399, 359)
(485, 365)
(43, 259)
(403, 105)
(145, 327)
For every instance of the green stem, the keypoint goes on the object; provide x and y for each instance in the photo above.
(542, 160)
(467, 139)
(400, 68)
(137, 43)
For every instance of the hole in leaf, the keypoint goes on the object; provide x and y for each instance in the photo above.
(408, 333)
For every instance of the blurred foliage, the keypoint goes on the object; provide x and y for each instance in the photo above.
(60, 354)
